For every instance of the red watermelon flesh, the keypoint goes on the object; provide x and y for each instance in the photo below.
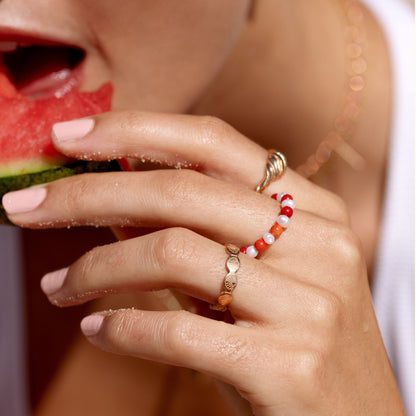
(27, 156)
(7, 89)
(25, 143)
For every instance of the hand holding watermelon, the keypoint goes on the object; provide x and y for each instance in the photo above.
(198, 209)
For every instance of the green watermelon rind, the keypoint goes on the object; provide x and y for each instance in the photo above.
(13, 183)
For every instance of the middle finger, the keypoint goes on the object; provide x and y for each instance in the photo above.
(148, 199)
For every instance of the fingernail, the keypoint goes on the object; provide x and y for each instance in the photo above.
(24, 200)
(72, 130)
(91, 325)
(53, 281)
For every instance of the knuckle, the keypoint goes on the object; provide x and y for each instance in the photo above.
(183, 335)
(238, 351)
(303, 371)
(86, 265)
(327, 312)
(308, 369)
(340, 209)
(349, 247)
(106, 258)
(180, 332)
(123, 329)
(335, 206)
(128, 120)
(343, 246)
(213, 130)
(182, 186)
(175, 247)
(74, 197)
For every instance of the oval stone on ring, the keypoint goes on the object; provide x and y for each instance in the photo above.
(232, 249)
(233, 264)
(230, 282)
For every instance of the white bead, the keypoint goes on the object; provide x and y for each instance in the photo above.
(289, 203)
(283, 220)
(268, 238)
(279, 196)
(251, 251)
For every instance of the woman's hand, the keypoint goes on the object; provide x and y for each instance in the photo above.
(305, 339)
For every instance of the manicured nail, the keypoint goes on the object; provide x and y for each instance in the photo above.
(53, 281)
(72, 130)
(91, 325)
(24, 200)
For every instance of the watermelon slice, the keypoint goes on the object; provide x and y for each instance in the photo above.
(27, 156)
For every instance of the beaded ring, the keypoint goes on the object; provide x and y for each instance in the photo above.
(287, 205)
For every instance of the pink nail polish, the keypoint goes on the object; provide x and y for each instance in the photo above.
(91, 325)
(24, 200)
(72, 130)
(53, 281)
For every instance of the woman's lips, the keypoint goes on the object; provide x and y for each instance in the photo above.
(50, 80)
(40, 68)
(11, 36)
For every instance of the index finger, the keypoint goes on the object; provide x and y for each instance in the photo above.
(203, 143)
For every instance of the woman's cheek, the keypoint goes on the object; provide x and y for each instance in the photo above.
(185, 44)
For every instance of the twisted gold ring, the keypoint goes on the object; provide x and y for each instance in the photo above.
(275, 168)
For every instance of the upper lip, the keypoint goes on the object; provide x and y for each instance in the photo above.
(25, 38)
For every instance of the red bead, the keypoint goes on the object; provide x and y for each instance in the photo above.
(286, 196)
(260, 245)
(274, 196)
(243, 250)
(286, 211)
(276, 230)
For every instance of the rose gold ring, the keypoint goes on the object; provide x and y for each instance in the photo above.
(230, 280)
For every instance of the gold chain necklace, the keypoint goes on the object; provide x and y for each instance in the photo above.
(344, 125)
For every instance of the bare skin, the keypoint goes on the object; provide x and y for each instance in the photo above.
(272, 30)
(265, 90)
